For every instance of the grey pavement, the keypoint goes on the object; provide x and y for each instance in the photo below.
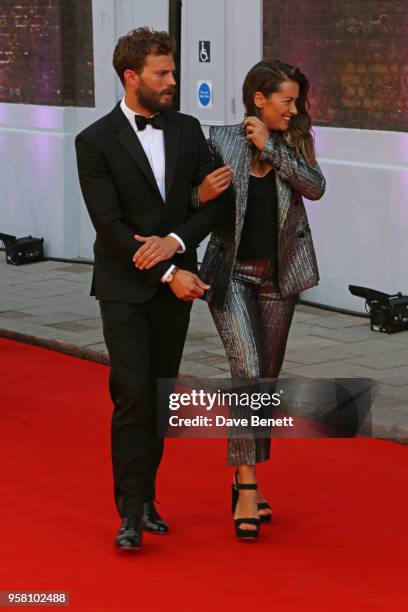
(48, 304)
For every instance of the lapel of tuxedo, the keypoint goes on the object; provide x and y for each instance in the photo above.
(131, 143)
(171, 144)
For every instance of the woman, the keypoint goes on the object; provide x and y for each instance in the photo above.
(259, 260)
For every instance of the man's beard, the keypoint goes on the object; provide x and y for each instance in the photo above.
(151, 100)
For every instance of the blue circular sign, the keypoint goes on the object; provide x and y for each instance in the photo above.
(204, 94)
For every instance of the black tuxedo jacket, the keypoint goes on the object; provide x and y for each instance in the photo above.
(123, 199)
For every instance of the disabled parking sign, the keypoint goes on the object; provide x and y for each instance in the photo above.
(204, 94)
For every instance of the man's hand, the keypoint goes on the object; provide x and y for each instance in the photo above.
(187, 286)
(256, 132)
(154, 250)
(215, 184)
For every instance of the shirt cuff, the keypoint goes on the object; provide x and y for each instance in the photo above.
(182, 248)
(166, 274)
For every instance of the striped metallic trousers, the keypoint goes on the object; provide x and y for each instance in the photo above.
(254, 326)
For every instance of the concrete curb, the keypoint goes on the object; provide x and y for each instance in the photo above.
(54, 345)
(388, 431)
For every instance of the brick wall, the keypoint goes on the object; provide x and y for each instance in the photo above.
(46, 52)
(354, 52)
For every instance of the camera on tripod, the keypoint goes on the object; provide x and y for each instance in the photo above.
(388, 313)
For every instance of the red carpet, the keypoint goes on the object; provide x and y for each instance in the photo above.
(339, 540)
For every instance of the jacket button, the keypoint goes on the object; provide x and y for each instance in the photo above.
(221, 249)
(301, 234)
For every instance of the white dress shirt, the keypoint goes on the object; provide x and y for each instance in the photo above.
(152, 141)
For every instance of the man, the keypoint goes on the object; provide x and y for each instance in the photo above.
(137, 168)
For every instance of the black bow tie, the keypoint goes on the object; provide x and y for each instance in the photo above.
(157, 122)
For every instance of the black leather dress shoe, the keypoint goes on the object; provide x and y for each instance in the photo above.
(129, 536)
(152, 521)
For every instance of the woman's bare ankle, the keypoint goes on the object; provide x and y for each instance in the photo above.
(246, 474)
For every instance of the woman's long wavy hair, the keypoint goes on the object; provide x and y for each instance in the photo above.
(266, 77)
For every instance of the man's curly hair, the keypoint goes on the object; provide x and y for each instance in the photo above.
(132, 49)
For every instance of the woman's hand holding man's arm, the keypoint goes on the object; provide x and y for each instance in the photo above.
(214, 184)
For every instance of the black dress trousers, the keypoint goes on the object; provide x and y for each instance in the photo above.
(145, 342)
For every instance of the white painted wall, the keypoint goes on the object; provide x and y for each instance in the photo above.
(38, 178)
(360, 227)
(234, 29)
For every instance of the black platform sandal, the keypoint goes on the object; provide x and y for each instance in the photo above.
(264, 518)
(245, 534)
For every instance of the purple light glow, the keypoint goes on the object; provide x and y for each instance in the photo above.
(45, 153)
(32, 117)
(402, 147)
(46, 117)
(321, 138)
(3, 113)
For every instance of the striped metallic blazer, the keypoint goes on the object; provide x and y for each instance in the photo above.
(297, 266)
